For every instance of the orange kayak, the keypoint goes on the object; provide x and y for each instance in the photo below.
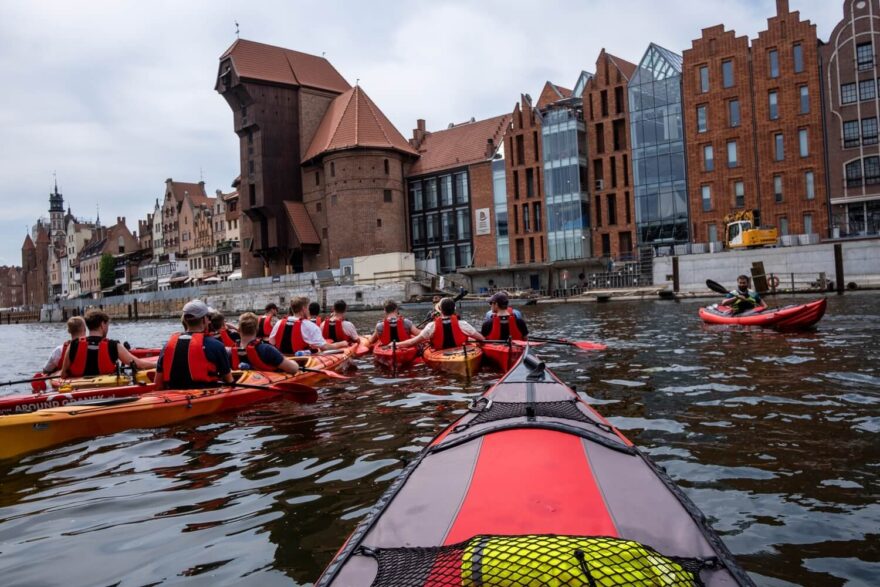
(464, 361)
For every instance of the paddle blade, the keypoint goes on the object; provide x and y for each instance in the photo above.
(326, 372)
(303, 393)
(717, 287)
(589, 346)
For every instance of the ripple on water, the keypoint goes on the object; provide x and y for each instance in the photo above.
(850, 378)
(659, 425)
(624, 382)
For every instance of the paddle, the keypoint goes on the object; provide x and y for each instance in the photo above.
(584, 345)
(327, 372)
(31, 380)
(717, 287)
(308, 393)
(430, 317)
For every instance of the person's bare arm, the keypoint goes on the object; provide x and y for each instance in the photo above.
(127, 358)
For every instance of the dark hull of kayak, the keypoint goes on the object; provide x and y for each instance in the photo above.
(530, 458)
(785, 318)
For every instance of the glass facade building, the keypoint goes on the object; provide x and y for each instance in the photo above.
(440, 217)
(499, 203)
(659, 169)
(565, 172)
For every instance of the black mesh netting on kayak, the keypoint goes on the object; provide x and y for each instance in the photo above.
(566, 410)
(533, 561)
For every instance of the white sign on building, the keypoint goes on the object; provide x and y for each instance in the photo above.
(484, 226)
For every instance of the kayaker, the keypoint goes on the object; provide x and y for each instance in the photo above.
(267, 320)
(96, 354)
(253, 353)
(491, 311)
(502, 323)
(446, 331)
(76, 328)
(194, 358)
(394, 327)
(315, 313)
(297, 334)
(742, 298)
(336, 328)
(222, 332)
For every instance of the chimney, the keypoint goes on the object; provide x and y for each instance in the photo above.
(782, 7)
(419, 133)
(420, 124)
(490, 147)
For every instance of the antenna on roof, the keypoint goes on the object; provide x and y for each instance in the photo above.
(236, 28)
(201, 174)
(357, 82)
(323, 53)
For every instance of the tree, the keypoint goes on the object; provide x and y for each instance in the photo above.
(107, 270)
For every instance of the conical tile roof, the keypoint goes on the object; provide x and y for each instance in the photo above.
(352, 121)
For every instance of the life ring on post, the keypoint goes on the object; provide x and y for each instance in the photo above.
(773, 281)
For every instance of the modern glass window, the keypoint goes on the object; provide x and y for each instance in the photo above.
(773, 104)
(732, 160)
(461, 188)
(869, 131)
(804, 142)
(797, 53)
(727, 73)
(783, 225)
(708, 158)
(778, 147)
(445, 190)
(739, 194)
(805, 99)
(865, 56)
(702, 119)
(808, 224)
(851, 134)
(810, 185)
(733, 112)
(777, 188)
(463, 223)
(773, 58)
(707, 197)
(704, 79)
(431, 193)
(848, 93)
(867, 89)
(415, 193)
(872, 170)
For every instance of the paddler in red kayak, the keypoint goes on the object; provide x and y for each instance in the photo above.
(394, 328)
(297, 334)
(336, 328)
(221, 331)
(267, 321)
(96, 354)
(502, 323)
(253, 353)
(315, 313)
(743, 299)
(194, 358)
(446, 331)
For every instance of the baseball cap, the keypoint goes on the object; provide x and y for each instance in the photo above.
(499, 297)
(196, 309)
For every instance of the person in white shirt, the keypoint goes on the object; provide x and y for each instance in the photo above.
(297, 333)
(76, 327)
(453, 332)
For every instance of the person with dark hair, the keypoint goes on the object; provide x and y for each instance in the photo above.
(297, 334)
(394, 327)
(336, 328)
(221, 331)
(502, 323)
(254, 353)
(267, 320)
(743, 299)
(193, 358)
(315, 313)
(96, 354)
(446, 331)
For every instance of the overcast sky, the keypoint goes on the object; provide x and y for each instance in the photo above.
(118, 96)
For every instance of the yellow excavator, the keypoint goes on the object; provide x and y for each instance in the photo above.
(743, 230)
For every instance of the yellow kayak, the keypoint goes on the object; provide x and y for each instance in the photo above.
(95, 381)
(464, 361)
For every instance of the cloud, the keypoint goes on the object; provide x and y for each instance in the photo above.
(118, 96)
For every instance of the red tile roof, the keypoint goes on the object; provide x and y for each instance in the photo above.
(625, 67)
(28, 243)
(460, 145)
(196, 192)
(303, 229)
(258, 61)
(353, 120)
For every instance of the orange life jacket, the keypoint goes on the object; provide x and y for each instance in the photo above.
(89, 356)
(184, 363)
(317, 320)
(223, 336)
(447, 333)
(264, 326)
(393, 329)
(504, 327)
(249, 355)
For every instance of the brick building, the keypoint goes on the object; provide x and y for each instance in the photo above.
(178, 206)
(754, 127)
(524, 168)
(11, 287)
(115, 240)
(606, 112)
(35, 268)
(354, 201)
(849, 74)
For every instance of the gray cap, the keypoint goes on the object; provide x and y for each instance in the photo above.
(196, 309)
(499, 297)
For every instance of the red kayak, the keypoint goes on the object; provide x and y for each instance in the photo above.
(21, 404)
(394, 358)
(533, 487)
(792, 317)
(503, 356)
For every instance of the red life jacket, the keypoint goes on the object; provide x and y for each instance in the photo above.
(64, 348)
(504, 327)
(289, 338)
(317, 320)
(333, 331)
(264, 326)
(91, 357)
(447, 333)
(184, 363)
(393, 329)
(249, 355)
(223, 336)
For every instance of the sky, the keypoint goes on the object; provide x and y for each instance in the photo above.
(113, 97)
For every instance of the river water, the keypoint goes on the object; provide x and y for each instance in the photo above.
(776, 437)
